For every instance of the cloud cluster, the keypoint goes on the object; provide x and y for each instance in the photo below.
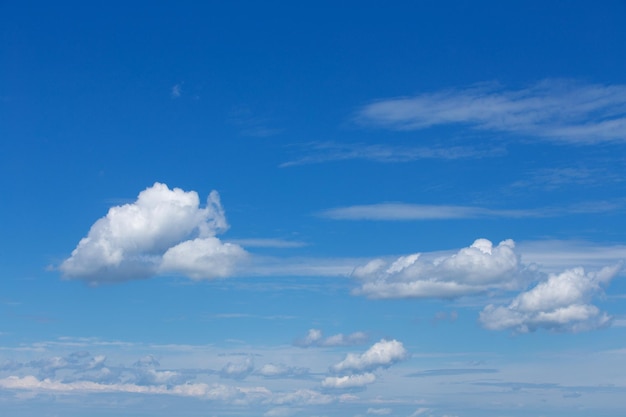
(477, 268)
(165, 231)
(555, 109)
(315, 338)
(80, 372)
(355, 371)
(561, 303)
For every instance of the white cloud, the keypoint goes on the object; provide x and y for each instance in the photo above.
(272, 370)
(348, 381)
(379, 411)
(556, 109)
(402, 211)
(406, 212)
(237, 370)
(556, 255)
(561, 303)
(474, 269)
(314, 338)
(382, 354)
(302, 397)
(202, 258)
(163, 231)
(420, 411)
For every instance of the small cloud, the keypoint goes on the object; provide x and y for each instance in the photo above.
(379, 411)
(314, 338)
(348, 381)
(176, 91)
(271, 370)
(381, 355)
(238, 370)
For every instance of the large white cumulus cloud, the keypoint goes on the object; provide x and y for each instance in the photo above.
(479, 267)
(561, 303)
(163, 231)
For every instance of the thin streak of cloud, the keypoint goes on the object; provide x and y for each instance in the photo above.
(556, 109)
(320, 152)
(268, 243)
(404, 211)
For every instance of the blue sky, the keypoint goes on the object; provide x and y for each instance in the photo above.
(272, 209)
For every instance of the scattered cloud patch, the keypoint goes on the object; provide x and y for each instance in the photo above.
(554, 178)
(315, 338)
(176, 91)
(557, 255)
(349, 381)
(271, 370)
(560, 303)
(477, 268)
(381, 355)
(238, 370)
(555, 109)
(379, 411)
(163, 231)
(420, 412)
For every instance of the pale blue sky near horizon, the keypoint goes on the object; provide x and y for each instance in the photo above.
(313, 209)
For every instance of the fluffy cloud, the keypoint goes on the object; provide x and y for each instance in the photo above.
(315, 338)
(474, 269)
(163, 231)
(349, 381)
(271, 370)
(238, 370)
(561, 303)
(553, 109)
(382, 354)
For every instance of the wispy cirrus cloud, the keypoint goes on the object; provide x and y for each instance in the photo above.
(267, 243)
(553, 178)
(560, 110)
(319, 152)
(407, 212)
